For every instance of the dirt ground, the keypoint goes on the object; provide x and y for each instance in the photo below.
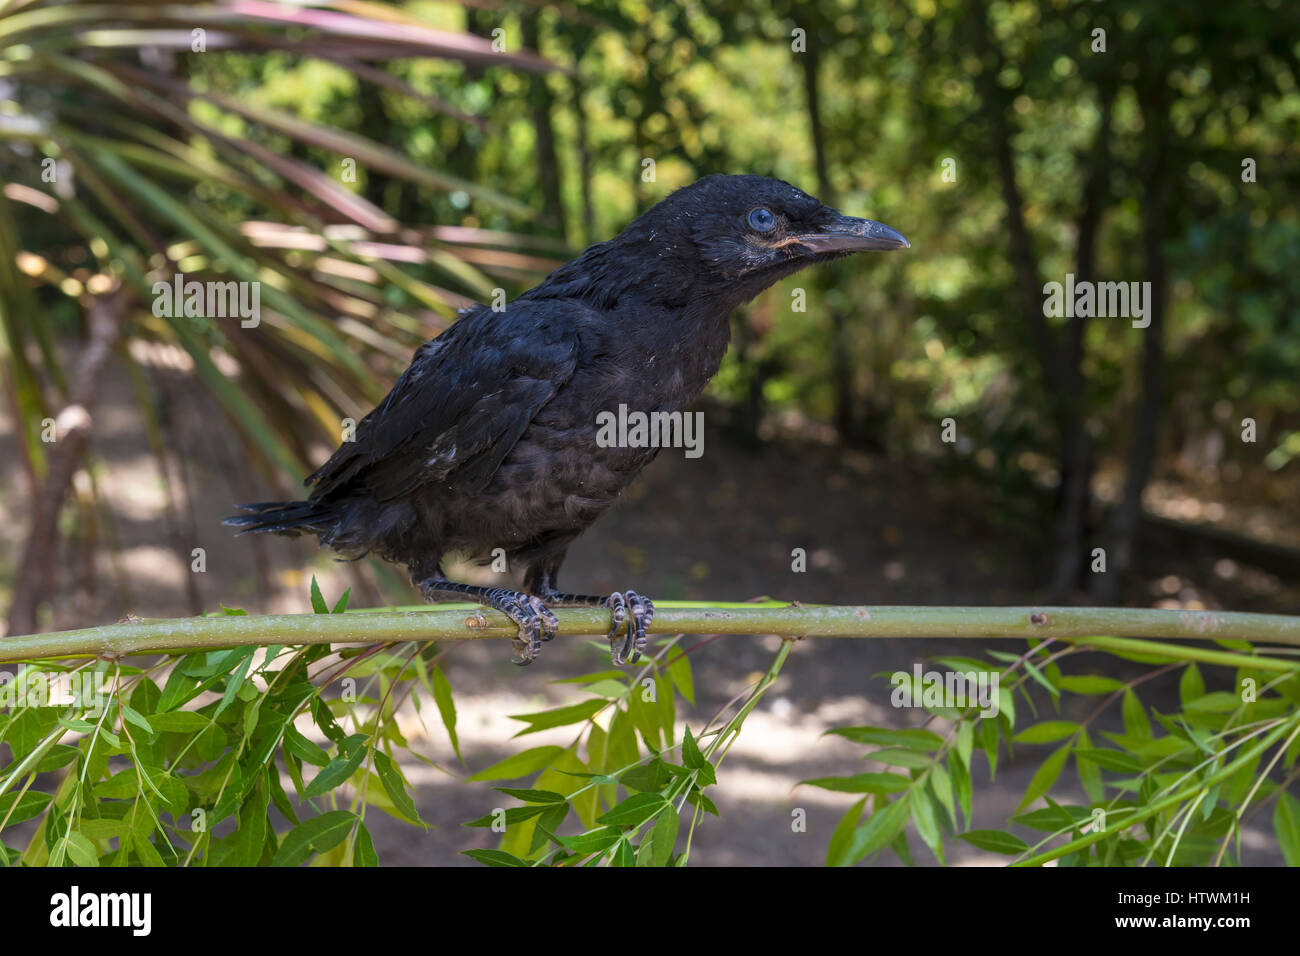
(721, 527)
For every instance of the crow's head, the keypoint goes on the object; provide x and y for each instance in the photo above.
(722, 237)
(752, 231)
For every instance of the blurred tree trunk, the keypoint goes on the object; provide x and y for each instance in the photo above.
(462, 157)
(1076, 451)
(577, 90)
(1060, 364)
(394, 195)
(847, 421)
(542, 102)
(1153, 100)
(34, 581)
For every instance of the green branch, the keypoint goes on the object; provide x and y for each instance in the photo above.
(1142, 628)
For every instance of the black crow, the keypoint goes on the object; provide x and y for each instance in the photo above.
(489, 439)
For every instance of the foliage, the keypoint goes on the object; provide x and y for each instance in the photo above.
(181, 763)
(1176, 798)
(129, 167)
(187, 774)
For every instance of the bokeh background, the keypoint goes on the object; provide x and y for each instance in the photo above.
(376, 166)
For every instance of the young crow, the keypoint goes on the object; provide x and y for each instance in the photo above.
(488, 440)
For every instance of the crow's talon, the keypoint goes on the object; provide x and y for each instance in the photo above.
(617, 615)
(536, 624)
(643, 612)
(637, 612)
(550, 624)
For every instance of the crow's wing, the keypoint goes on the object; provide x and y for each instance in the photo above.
(457, 411)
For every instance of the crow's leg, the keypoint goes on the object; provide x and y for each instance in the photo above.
(535, 620)
(624, 606)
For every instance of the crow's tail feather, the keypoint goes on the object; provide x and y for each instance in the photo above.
(283, 517)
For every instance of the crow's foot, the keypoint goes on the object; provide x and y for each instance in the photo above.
(637, 612)
(535, 621)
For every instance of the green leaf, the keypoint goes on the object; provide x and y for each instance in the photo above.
(103, 828)
(593, 842)
(623, 855)
(1286, 824)
(519, 765)
(961, 784)
(695, 760)
(1037, 675)
(278, 796)
(253, 826)
(304, 749)
(645, 714)
(363, 849)
(633, 811)
(351, 752)
(508, 816)
(649, 777)
(1136, 723)
(494, 857)
(880, 830)
(124, 783)
(1007, 706)
(395, 787)
(691, 754)
(1053, 818)
(315, 835)
(340, 607)
(1191, 685)
(318, 604)
(965, 741)
(1091, 685)
(80, 850)
(131, 716)
(1046, 732)
(927, 825)
(560, 716)
(679, 672)
(16, 807)
(995, 841)
(921, 740)
(941, 784)
(532, 796)
(1109, 759)
(446, 707)
(180, 721)
(146, 851)
(1219, 702)
(838, 848)
(236, 679)
(989, 741)
(1045, 776)
(898, 757)
(697, 798)
(1089, 772)
(861, 783)
(664, 837)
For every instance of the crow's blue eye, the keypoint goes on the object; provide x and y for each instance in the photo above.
(762, 220)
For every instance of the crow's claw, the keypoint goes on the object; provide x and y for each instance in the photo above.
(535, 620)
(638, 612)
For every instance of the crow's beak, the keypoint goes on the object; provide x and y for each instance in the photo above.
(846, 234)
